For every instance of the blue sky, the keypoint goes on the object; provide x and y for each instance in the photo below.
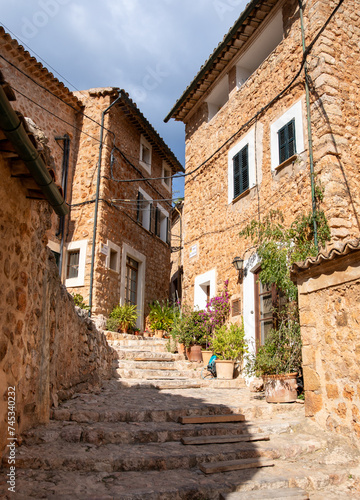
(151, 48)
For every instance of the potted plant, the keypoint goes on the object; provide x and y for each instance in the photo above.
(279, 360)
(228, 343)
(189, 329)
(161, 317)
(215, 315)
(122, 316)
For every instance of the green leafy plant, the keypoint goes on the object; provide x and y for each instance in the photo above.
(161, 316)
(122, 316)
(281, 352)
(279, 246)
(229, 343)
(189, 327)
(79, 301)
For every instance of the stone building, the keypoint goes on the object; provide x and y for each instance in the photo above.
(329, 300)
(176, 272)
(131, 258)
(47, 349)
(247, 142)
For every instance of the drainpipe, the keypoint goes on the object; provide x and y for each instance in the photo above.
(16, 134)
(97, 203)
(64, 180)
(311, 155)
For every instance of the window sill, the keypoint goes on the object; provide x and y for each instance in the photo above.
(292, 159)
(242, 195)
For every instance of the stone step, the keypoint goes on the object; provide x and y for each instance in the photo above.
(138, 347)
(90, 413)
(154, 456)
(215, 383)
(160, 343)
(277, 494)
(161, 384)
(156, 374)
(101, 433)
(181, 484)
(146, 355)
(158, 364)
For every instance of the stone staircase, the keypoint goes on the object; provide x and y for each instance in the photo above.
(146, 362)
(125, 441)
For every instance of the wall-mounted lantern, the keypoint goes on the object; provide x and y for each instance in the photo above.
(238, 263)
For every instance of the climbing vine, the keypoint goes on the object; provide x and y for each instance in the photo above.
(279, 246)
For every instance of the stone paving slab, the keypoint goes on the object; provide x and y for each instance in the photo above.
(161, 456)
(179, 484)
(134, 432)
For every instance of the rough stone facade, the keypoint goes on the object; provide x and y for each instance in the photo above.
(329, 301)
(49, 105)
(46, 349)
(176, 271)
(118, 226)
(211, 221)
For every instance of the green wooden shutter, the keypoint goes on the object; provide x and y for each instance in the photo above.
(168, 231)
(287, 143)
(241, 171)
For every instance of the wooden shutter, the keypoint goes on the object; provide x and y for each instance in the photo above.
(287, 143)
(157, 222)
(151, 224)
(241, 171)
(168, 231)
(139, 207)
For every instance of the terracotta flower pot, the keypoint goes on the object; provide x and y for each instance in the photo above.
(193, 353)
(159, 334)
(224, 369)
(181, 349)
(206, 355)
(280, 388)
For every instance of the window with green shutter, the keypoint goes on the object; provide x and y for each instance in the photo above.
(287, 144)
(241, 171)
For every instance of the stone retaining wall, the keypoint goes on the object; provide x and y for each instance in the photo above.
(47, 350)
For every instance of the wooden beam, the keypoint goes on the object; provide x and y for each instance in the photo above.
(211, 419)
(234, 438)
(229, 465)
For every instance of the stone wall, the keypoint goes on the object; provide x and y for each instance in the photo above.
(47, 350)
(329, 300)
(48, 103)
(210, 221)
(117, 216)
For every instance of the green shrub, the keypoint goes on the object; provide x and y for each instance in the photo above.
(79, 301)
(122, 316)
(228, 342)
(161, 315)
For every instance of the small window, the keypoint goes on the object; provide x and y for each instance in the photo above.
(113, 259)
(162, 225)
(145, 154)
(235, 308)
(241, 171)
(144, 210)
(73, 264)
(132, 270)
(287, 142)
(166, 174)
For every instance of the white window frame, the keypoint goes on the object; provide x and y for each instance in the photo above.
(80, 279)
(145, 214)
(248, 140)
(145, 143)
(165, 167)
(163, 223)
(202, 281)
(116, 249)
(293, 113)
(128, 251)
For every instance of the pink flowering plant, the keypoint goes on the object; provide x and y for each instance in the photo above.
(216, 312)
